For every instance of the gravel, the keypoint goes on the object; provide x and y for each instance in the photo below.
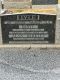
(29, 64)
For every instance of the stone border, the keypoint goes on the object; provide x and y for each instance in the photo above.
(29, 46)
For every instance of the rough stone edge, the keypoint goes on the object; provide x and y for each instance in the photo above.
(0, 33)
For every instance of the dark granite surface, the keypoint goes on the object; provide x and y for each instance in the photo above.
(40, 2)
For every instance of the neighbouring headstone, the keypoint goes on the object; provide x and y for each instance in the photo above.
(42, 2)
(17, 4)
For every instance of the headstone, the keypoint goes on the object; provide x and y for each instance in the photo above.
(28, 28)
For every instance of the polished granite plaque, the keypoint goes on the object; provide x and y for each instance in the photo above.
(42, 2)
(28, 28)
